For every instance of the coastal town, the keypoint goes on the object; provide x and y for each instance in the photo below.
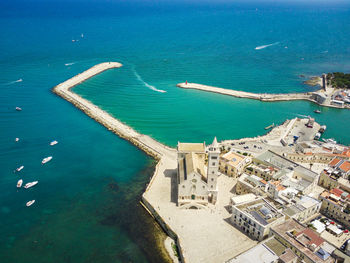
(281, 197)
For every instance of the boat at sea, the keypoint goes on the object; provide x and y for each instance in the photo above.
(18, 109)
(19, 183)
(47, 159)
(317, 111)
(270, 126)
(53, 143)
(29, 203)
(17, 139)
(31, 184)
(19, 168)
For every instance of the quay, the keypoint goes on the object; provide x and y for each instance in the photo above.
(202, 236)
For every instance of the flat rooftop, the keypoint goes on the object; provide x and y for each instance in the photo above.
(261, 211)
(233, 158)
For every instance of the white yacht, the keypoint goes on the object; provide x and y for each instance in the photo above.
(17, 139)
(53, 143)
(18, 109)
(29, 203)
(31, 184)
(19, 168)
(47, 159)
(19, 183)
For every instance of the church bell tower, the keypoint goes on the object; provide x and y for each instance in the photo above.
(213, 170)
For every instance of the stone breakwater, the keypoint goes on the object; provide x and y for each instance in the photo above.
(159, 185)
(249, 95)
(144, 142)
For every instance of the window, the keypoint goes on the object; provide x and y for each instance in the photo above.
(193, 197)
(214, 157)
(212, 179)
(213, 163)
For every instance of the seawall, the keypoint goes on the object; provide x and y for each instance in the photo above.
(248, 95)
(150, 146)
(144, 142)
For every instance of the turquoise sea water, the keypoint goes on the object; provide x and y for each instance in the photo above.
(86, 200)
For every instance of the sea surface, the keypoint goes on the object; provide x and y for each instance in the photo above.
(86, 207)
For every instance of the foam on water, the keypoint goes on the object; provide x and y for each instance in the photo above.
(13, 82)
(146, 84)
(265, 46)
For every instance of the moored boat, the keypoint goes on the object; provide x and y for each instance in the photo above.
(18, 109)
(317, 111)
(17, 139)
(31, 184)
(29, 203)
(19, 183)
(47, 159)
(270, 126)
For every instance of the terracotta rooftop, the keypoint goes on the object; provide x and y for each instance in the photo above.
(345, 166)
(336, 192)
(311, 237)
(334, 162)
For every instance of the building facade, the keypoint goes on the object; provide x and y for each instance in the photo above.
(197, 184)
(232, 164)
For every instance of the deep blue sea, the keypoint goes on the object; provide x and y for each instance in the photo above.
(86, 207)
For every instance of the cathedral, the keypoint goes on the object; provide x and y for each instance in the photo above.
(197, 174)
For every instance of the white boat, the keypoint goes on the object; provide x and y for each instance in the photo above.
(19, 168)
(330, 141)
(17, 139)
(19, 183)
(47, 159)
(29, 203)
(31, 184)
(53, 143)
(18, 109)
(82, 35)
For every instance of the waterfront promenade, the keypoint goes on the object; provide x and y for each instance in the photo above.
(201, 235)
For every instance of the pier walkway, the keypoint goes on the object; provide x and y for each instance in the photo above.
(146, 143)
(249, 95)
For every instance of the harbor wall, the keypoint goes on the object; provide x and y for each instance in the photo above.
(150, 146)
(266, 97)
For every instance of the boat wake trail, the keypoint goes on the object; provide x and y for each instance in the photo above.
(13, 82)
(265, 46)
(146, 84)
(301, 115)
(70, 64)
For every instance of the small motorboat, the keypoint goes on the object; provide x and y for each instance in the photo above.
(18, 109)
(53, 143)
(29, 203)
(17, 139)
(19, 168)
(19, 183)
(31, 184)
(47, 159)
(317, 111)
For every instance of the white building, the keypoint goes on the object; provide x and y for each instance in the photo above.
(197, 184)
(256, 217)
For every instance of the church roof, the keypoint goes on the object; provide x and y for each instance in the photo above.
(190, 147)
(191, 163)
